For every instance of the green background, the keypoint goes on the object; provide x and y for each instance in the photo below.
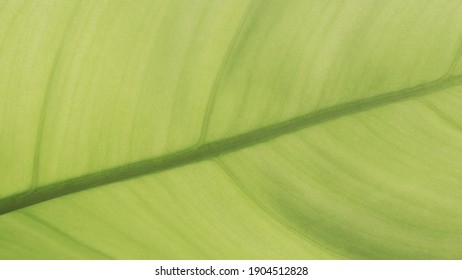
(230, 129)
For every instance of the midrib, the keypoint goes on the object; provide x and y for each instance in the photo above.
(216, 148)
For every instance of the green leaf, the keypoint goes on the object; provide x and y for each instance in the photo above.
(230, 129)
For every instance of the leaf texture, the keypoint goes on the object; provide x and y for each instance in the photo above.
(231, 129)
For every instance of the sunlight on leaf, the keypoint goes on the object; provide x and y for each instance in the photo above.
(230, 129)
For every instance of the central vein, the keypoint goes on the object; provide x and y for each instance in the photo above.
(214, 149)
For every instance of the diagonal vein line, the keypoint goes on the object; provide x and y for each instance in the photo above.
(68, 236)
(213, 94)
(45, 101)
(216, 148)
(265, 209)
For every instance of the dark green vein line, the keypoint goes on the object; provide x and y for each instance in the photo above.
(443, 116)
(45, 101)
(68, 236)
(41, 120)
(214, 149)
(284, 223)
(212, 96)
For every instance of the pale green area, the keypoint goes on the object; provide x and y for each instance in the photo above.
(191, 212)
(89, 86)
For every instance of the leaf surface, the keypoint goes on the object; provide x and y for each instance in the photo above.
(231, 129)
